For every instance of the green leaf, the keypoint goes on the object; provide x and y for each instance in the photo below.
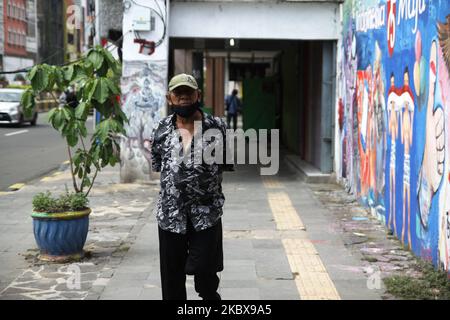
(51, 72)
(80, 173)
(79, 74)
(28, 103)
(60, 80)
(76, 160)
(102, 130)
(88, 68)
(82, 128)
(103, 70)
(89, 89)
(72, 140)
(122, 117)
(68, 113)
(40, 79)
(109, 57)
(51, 114)
(32, 72)
(101, 93)
(112, 86)
(81, 110)
(58, 119)
(86, 182)
(113, 160)
(96, 58)
(68, 72)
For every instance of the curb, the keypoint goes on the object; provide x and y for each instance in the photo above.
(45, 105)
(17, 186)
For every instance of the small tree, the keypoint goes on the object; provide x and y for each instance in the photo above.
(96, 77)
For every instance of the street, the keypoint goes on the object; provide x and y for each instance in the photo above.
(29, 152)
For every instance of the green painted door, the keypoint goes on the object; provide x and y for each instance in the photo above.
(258, 103)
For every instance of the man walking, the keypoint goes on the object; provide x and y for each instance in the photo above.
(189, 207)
(233, 106)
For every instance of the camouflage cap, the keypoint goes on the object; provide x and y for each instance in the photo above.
(182, 79)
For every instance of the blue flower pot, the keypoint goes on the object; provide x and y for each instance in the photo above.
(61, 236)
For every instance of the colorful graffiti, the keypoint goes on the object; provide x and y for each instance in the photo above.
(143, 98)
(393, 116)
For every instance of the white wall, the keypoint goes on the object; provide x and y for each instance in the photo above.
(255, 20)
(144, 85)
(131, 49)
(15, 63)
(2, 37)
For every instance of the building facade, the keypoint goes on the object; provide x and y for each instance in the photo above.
(2, 33)
(50, 17)
(16, 54)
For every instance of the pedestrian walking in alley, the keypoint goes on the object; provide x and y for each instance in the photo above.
(233, 106)
(189, 208)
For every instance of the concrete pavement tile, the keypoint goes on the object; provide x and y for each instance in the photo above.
(240, 293)
(278, 290)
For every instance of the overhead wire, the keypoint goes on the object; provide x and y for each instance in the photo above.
(63, 64)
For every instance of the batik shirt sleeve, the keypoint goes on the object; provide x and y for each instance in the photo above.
(156, 149)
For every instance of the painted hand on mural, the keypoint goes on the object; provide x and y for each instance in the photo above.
(444, 82)
(432, 169)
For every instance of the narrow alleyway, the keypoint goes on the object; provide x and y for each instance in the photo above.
(280, 242)
(283, 239)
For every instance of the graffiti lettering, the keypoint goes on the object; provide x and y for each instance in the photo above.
(391, 26)
(373, 18)
(411, 9)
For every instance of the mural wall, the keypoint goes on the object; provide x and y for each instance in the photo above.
(393, 117)
(144, 84)
(143, 98)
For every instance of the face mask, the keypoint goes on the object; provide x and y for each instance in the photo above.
(186, 111)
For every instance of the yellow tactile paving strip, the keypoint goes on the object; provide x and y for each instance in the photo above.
(16, 186)
(271, 183)
(311, 277)
(284, 212)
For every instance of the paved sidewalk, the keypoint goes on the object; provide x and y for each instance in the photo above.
(281, 241)
(277, 245)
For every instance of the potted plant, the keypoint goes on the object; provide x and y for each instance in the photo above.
(61, 224)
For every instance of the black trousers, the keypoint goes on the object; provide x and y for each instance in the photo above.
(194, 253)
(229, 117)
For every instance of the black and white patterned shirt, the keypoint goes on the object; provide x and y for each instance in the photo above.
(190, 189)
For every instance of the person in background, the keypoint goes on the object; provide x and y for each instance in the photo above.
(233, 107)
